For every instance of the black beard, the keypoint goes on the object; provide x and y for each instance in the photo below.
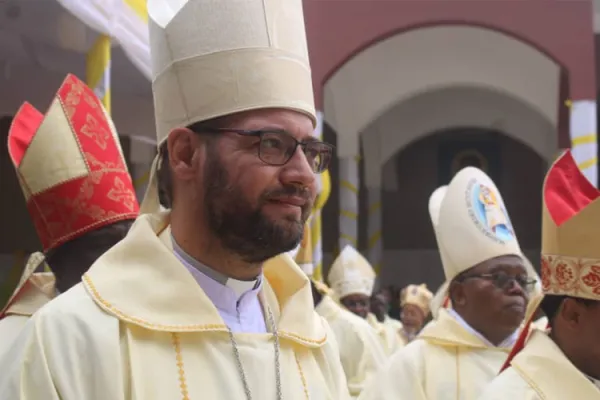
(242, 228)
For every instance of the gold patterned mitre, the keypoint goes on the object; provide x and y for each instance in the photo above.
(214, 58)
(570, 231)
(473, 224)
(351, 273)
(70, 165)
(417, 295)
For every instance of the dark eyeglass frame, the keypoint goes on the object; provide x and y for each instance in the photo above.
(502, 283)
(356, 303)
(325, 150)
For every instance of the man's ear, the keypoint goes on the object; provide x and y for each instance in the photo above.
(456, 291)
(182, 145)
(570, 311)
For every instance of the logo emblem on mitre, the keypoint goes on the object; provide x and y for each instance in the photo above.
(211, 59)
(570, 229)
(488, 212)
(473, 224)
(70, 165)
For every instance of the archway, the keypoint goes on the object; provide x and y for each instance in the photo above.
(424, 80)
(426, 59)
(410, 252)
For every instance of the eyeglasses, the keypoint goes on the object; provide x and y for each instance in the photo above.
(502, 280)
(277, 147)
(352, 303)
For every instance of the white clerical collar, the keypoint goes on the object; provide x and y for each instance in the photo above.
(506, 343)
(238, 287)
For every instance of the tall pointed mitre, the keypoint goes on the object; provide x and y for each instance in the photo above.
(351, 273)
(70, 166)
(570, 228)
(435, 202)
(471, 225)
(215, 58)
(417, 295)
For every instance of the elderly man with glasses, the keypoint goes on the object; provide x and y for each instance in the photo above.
(487, 284)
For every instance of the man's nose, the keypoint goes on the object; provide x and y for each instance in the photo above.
(515, 289)
(298, 170)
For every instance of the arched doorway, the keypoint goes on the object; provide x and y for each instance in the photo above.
(410, 250)
(422, 81)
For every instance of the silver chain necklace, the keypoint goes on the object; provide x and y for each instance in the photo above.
(240, 367)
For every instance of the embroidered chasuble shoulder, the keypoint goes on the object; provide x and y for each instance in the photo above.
(148, 331)
(413, 373)
(541, 372)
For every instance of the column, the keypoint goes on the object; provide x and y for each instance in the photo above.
(349, 185)
(375, 243)
(584, 142)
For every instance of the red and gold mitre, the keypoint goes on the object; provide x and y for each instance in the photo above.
(71, 166)
(570, 228)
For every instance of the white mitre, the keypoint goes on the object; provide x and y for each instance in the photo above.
(351, 273)
(435, 202)
(214, 58)
(471, 225)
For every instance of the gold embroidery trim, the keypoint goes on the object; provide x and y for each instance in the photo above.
(302, 377)
(180, 369)
(107, 306)
(457, 373)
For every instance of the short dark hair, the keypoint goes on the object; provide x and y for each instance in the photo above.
(163, 173)
(101, 237)
(163, 176)
(551, 304)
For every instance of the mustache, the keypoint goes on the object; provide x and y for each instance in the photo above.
(289, 190)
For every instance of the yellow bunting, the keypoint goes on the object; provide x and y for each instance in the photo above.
(586, 139)
(349, 186)
(588, 163)
(139, 8)
(349, 214)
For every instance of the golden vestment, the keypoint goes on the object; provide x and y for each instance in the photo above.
(541, 372)
(139, 327)
(388, 335)
(360, 349)
(445, 362)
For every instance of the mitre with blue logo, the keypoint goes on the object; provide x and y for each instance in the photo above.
(471, 225)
